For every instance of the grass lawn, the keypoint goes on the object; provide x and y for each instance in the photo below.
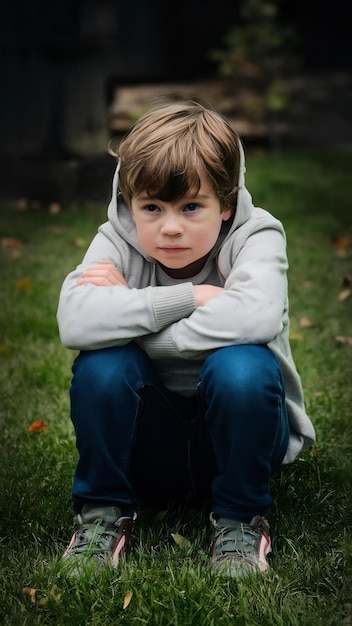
(310, 580)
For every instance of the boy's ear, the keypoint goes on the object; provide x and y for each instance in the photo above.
(227, 213)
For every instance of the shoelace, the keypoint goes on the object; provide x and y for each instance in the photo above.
(94, 538)
(236, 541)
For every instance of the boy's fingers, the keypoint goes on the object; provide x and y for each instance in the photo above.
(99, 281)
(100, 275)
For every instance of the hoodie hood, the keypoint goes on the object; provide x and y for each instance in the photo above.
(121, 219)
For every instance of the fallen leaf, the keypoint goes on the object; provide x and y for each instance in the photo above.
(342, 245)
(344, 340)
(54, 208)
(13, 247)
(9, 243)
(181, 541)
(23, 284)
(5, 350)
(30, 592)
(22, 204)
(38, 426)
(296, 336)
(344, 295)
(52, 595)
(305, 322)
(127, 599)
(79, 242)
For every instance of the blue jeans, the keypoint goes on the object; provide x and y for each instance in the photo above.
(139, 442)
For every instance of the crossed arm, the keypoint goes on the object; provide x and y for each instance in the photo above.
(181, 321)
(105, 274)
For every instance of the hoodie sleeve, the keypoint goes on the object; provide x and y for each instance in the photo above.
(251, 309)
(91, 317)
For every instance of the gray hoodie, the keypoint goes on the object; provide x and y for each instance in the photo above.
(249, 261)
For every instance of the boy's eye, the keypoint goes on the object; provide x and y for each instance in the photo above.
(151, 208)
(191, 208)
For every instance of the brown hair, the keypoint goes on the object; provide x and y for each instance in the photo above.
(169, 146)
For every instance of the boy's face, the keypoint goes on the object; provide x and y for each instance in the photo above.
(180, 234)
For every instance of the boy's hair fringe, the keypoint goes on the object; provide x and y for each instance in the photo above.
(168, 148)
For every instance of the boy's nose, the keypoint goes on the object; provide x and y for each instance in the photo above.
(171, 226)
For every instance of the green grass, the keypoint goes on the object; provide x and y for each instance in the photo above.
(310, 579)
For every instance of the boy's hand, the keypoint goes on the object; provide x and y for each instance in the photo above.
(103, 275)
(203, 293)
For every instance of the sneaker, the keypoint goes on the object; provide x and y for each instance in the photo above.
(101, 537)
(239, 548)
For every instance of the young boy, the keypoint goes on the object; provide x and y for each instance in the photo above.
(185, 385)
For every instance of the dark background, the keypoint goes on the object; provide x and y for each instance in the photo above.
(62, 60)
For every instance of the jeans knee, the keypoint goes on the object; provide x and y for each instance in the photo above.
(101, 371)
(241, 370)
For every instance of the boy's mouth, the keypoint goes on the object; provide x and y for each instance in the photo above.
(170, 249)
